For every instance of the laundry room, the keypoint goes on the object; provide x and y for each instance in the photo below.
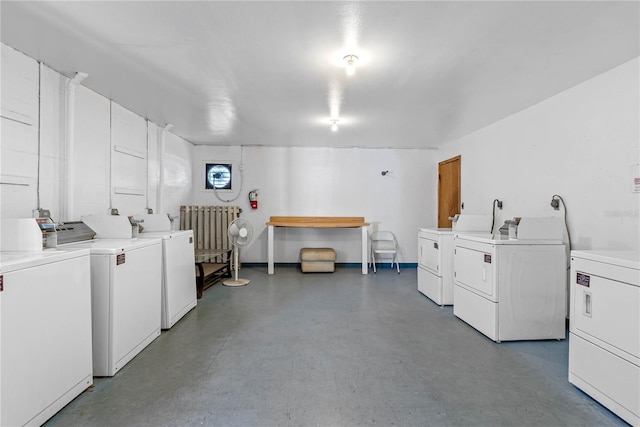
(118, 118)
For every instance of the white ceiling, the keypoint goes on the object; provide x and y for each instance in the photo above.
(270, 73)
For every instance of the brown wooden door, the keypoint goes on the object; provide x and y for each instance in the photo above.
(448, 190)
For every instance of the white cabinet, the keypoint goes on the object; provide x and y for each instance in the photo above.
(510, 289)
(604, 339)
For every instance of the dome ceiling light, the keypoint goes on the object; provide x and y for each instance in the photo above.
(351, 64)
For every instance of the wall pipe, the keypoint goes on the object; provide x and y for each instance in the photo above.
(70, 98)
(40, 65)
(161, 146)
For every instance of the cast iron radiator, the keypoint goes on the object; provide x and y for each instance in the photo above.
(209, 224)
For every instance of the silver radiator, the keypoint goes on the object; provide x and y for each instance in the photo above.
(209, 224)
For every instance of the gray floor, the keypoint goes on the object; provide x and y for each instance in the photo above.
(336, 349)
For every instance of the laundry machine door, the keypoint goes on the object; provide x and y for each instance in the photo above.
(475, 268)
(429, 252)
(604, 307)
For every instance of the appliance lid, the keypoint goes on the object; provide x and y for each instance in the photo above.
(628, 259)
(18, 260)
(504, 240)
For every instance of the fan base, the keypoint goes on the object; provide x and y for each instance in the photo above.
(236, 282)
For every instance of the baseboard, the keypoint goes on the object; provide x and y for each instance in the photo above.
(338, 265)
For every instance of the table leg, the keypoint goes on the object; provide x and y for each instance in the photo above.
(200, 281)
(270, 249)
(365, 241)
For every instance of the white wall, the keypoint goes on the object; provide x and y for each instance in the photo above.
(115, 158)
(91, 155)
(19, 141)
(177, 185)
(580, 144)
(327, 182)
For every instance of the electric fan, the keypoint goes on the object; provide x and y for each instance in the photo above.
(240, 234)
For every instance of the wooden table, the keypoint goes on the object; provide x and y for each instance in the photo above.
(209, 269)
(316, 222)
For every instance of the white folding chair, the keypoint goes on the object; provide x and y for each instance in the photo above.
(384, 245)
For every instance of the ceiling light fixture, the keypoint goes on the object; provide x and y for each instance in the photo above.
(334, 125)
(351, 64)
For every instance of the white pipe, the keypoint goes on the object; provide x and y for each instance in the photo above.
(161, 145)
(40, 65)
(146, 190)
(70, 98)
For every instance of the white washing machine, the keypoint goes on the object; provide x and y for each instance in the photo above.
(604, 338)
(45, 327)
(126, 282)
(179, 294)
(435, 256)
(511, 289)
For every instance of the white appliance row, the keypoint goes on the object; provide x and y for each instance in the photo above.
(604, 338)
(125, 299)
(140, 285)
(84, 309)
(507, 287)
(179, 294)
(45, 325)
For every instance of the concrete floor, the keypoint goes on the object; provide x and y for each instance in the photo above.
(336, 349)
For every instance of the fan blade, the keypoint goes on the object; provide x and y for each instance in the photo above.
(234, 230)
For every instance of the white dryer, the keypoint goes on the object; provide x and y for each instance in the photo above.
(45, 327)
(511, 289)
(604, 338)
(435, 256)
(126, 281)
(179, 294)
(435, 264)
